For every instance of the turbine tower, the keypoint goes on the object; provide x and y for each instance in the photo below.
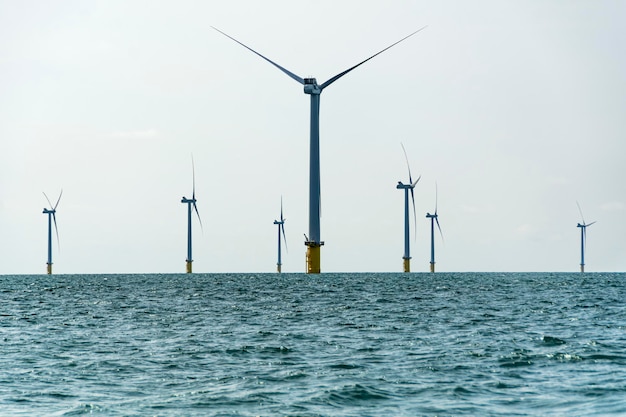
(433, 218)
(191, 203)
(312, 88)
(406, 188)
(583, 238)
(51, 218)
(281, 228)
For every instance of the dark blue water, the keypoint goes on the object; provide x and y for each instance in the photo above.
(328, 345)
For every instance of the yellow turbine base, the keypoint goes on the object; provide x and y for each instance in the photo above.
(582, 268)
(278, 268)
(432, 267)
(313, 265)
(189, 267)
(407, 264)
(49, 269)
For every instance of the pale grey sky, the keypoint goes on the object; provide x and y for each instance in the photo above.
(515, 109)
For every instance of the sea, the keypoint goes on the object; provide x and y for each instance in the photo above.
(347, 344)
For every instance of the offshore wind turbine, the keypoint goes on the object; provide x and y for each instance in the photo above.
(191, 202)
(51, 218)
(408, 187)
(583, 238)
(433, 218)
(313, 241)
(281, 228)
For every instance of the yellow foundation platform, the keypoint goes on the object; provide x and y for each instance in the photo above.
(313, 257)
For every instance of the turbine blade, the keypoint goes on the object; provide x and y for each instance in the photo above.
(590, 223)
(436, 198)
(581, 212)
(416, 181)
(59, 199)
(439, 227)
(198, 214)
(282, 228)
(281, 208)
(407, 163)
(341, 74)
(49, 203)
(56, 229)
(414, 214)
(286, 71)
(193, 179)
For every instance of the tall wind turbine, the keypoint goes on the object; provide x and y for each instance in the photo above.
(191, 203)
(406, 188)
(281, 229)
(433, 218)
(51, 217)
(583, 238)
(311, 87)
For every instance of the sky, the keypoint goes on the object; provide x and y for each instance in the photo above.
(513, 110)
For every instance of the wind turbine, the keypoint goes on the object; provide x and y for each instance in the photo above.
(281, 228)
(191, 203)
(433, 218)
(51, 217)
(583, 238)
(311, 87)
(406, 188)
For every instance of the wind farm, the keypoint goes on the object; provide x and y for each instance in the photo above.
(495, 123)
(583, 237)
(281, 231)
(52, 218)
(311, 87)
(515, 108)
(406, 257)
(191, 206)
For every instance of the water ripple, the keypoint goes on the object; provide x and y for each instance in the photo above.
(334, 344)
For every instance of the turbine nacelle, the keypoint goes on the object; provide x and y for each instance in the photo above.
(187, 200)
(402, 186)
(311, 86)
(431, 216)
(584, 224)
(47, 211)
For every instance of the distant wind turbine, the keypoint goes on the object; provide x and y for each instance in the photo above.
(406, 188)
(312, 88)
(281, 229)
(191, 203)
(51, 217)
(433, 218)
(583, 238)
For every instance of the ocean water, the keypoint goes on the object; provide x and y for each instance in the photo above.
(445, 344)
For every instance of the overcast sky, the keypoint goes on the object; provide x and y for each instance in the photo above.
(515, 109)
